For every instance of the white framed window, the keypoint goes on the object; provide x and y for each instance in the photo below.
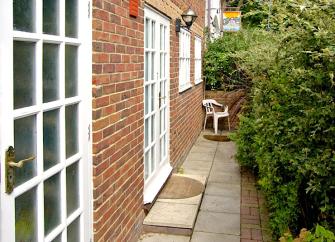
(184, 60)
(197, 60)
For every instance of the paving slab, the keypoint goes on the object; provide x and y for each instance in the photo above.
(200, 157)
(224, 177)
(175, 215)
(202, 149)
(196, 171)
(201, 141)
(220, 223)
(224, 158)
(220, 204)
(223, 189)
(234, 168)
(229, 146)
(155, 237)
(197, 165)
(212, 237)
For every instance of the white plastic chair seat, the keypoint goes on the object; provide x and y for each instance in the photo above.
(210, 112)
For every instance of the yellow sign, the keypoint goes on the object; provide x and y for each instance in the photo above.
(231, 21)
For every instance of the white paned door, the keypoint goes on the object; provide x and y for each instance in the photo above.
(156, 100)
(45, 73)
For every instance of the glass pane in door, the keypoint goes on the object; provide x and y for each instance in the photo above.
(146, 132)
(71, 21)
(72, 188)
(58, 239)
(71, 129)
(71, 72)
(52, 208)
(50, 138)
(146, 67)
(50, 16)
(153, 159)
(26, 217)
(24, 74)
(24, 15)
(50, 72)
(25, 146)
(73, 234)
(146, 165)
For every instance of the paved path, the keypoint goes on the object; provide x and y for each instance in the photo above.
(254, 214)
(219, 217)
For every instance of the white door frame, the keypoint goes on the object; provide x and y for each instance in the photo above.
(162, 169)
(8, 114)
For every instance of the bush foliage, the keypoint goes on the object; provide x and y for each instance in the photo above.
(320, 234)
(220, 66)
(287, 133)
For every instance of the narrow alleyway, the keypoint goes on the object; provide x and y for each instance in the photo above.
(219, 218)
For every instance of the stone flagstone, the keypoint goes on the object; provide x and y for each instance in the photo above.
(219, 223)
(218, 219)
(212, 237)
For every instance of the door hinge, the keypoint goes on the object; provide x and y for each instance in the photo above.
(89, 9)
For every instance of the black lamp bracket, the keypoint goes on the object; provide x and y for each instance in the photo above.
(179, 25)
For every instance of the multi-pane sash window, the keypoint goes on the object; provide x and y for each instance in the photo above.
(184, 60)
(197, 60)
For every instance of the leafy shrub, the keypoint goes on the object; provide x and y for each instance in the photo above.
(320, 234)
(221, 65)
(220, 69)
(288, 132)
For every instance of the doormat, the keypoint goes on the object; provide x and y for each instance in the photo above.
(179, 187)
(219, 138)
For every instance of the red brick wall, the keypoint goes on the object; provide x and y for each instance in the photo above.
(186, 107)
(117, 121)
(186, 115)
(118, 68)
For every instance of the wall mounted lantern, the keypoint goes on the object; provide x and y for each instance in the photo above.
(189, 16)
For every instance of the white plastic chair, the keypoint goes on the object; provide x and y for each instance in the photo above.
(210, 112)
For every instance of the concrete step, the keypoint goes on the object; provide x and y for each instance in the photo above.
(177, 215)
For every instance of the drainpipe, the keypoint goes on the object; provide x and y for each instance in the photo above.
(209, 7)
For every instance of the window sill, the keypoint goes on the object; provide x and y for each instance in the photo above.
(185, 87)
(154, 185)
(198, 82)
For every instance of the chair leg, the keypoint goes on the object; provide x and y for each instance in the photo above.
(228, 124)
(215, 121)
(205, 122)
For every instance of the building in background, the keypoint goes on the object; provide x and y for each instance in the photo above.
(213, 18)
(222, 16)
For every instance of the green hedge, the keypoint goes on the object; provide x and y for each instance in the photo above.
(288, 132)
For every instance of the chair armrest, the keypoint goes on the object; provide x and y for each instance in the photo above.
(216, 103)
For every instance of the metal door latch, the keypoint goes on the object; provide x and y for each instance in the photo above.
(9, 168)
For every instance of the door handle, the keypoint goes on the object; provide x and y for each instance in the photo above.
(20, 163)
(9, 168)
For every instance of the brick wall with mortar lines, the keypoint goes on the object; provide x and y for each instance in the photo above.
(118, 65)
(186, 114)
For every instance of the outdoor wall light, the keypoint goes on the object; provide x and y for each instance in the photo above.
(189, 16)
